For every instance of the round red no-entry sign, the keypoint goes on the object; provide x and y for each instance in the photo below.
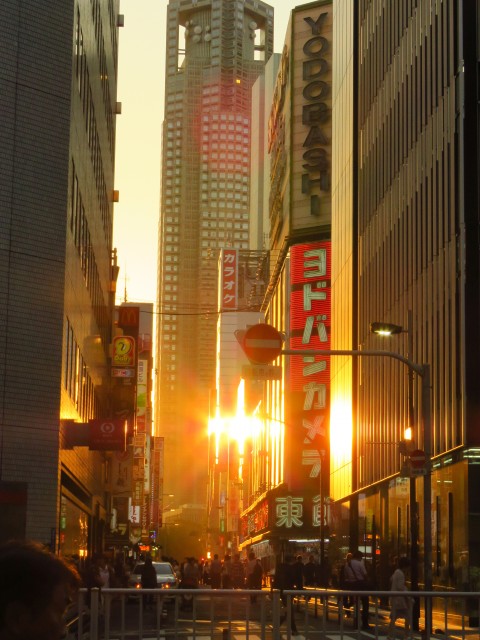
(262, 343)
(417, 458)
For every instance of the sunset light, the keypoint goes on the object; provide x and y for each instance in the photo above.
(237, 428)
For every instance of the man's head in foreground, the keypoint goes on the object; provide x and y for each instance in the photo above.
(36, 589)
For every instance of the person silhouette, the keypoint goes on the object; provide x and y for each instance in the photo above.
(36, 590)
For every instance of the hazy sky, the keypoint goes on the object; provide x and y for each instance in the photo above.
(137, 172)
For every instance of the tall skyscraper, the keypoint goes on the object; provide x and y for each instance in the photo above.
(215, 51)
(58, 86)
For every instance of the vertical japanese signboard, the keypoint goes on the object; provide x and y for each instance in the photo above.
(310, 301)
(228, 290)
(312, 116)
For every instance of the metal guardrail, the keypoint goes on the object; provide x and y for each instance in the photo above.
(227, 614)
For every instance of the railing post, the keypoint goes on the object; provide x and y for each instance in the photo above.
(275, 614)
(94, 613)
(81, 613)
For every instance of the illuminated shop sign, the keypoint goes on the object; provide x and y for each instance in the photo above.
(228, 289)
(310, 301)
(280, 514)
(129, 318)
(311, 118)
(290, 512)
(256, 520)
(123, 351)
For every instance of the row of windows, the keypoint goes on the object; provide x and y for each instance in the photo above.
(242, 133)
(225, 195)
(113, 32)
(228, 117)
(238, 245)
(107, 103)
(239, 154)
(239, 235)
(232, 180)
(227, 205)
(77, 381)
(230, 165)
(179, 98)
(173, 133)
(229, 137)
(221, 225)
(81, 235)
(85, 91)
(175, 125)
(219, 216)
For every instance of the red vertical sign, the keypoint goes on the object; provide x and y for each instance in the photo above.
(310, 302)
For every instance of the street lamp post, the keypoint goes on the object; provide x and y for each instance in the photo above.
(422, 370)
(387, 329)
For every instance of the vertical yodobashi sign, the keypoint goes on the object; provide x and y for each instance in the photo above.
(310, 302)
(228, 290)
(311, 117)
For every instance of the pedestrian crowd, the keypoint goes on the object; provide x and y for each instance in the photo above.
(37, 587)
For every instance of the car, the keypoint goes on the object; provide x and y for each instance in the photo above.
(166, 576)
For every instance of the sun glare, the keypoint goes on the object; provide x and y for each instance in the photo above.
(237, 428)
(341, 432)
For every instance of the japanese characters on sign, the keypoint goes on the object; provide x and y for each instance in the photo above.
(290, 512)
(281, 513)
(309, 375)
(228, 290)
(256, 520)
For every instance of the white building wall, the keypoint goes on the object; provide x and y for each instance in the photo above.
(231, 356)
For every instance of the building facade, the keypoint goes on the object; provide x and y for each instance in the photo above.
(57, 266)
(405, 214)
(285, 501)
(135, 480)
(215, 51)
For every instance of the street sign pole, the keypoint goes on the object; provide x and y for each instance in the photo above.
(423, 370)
